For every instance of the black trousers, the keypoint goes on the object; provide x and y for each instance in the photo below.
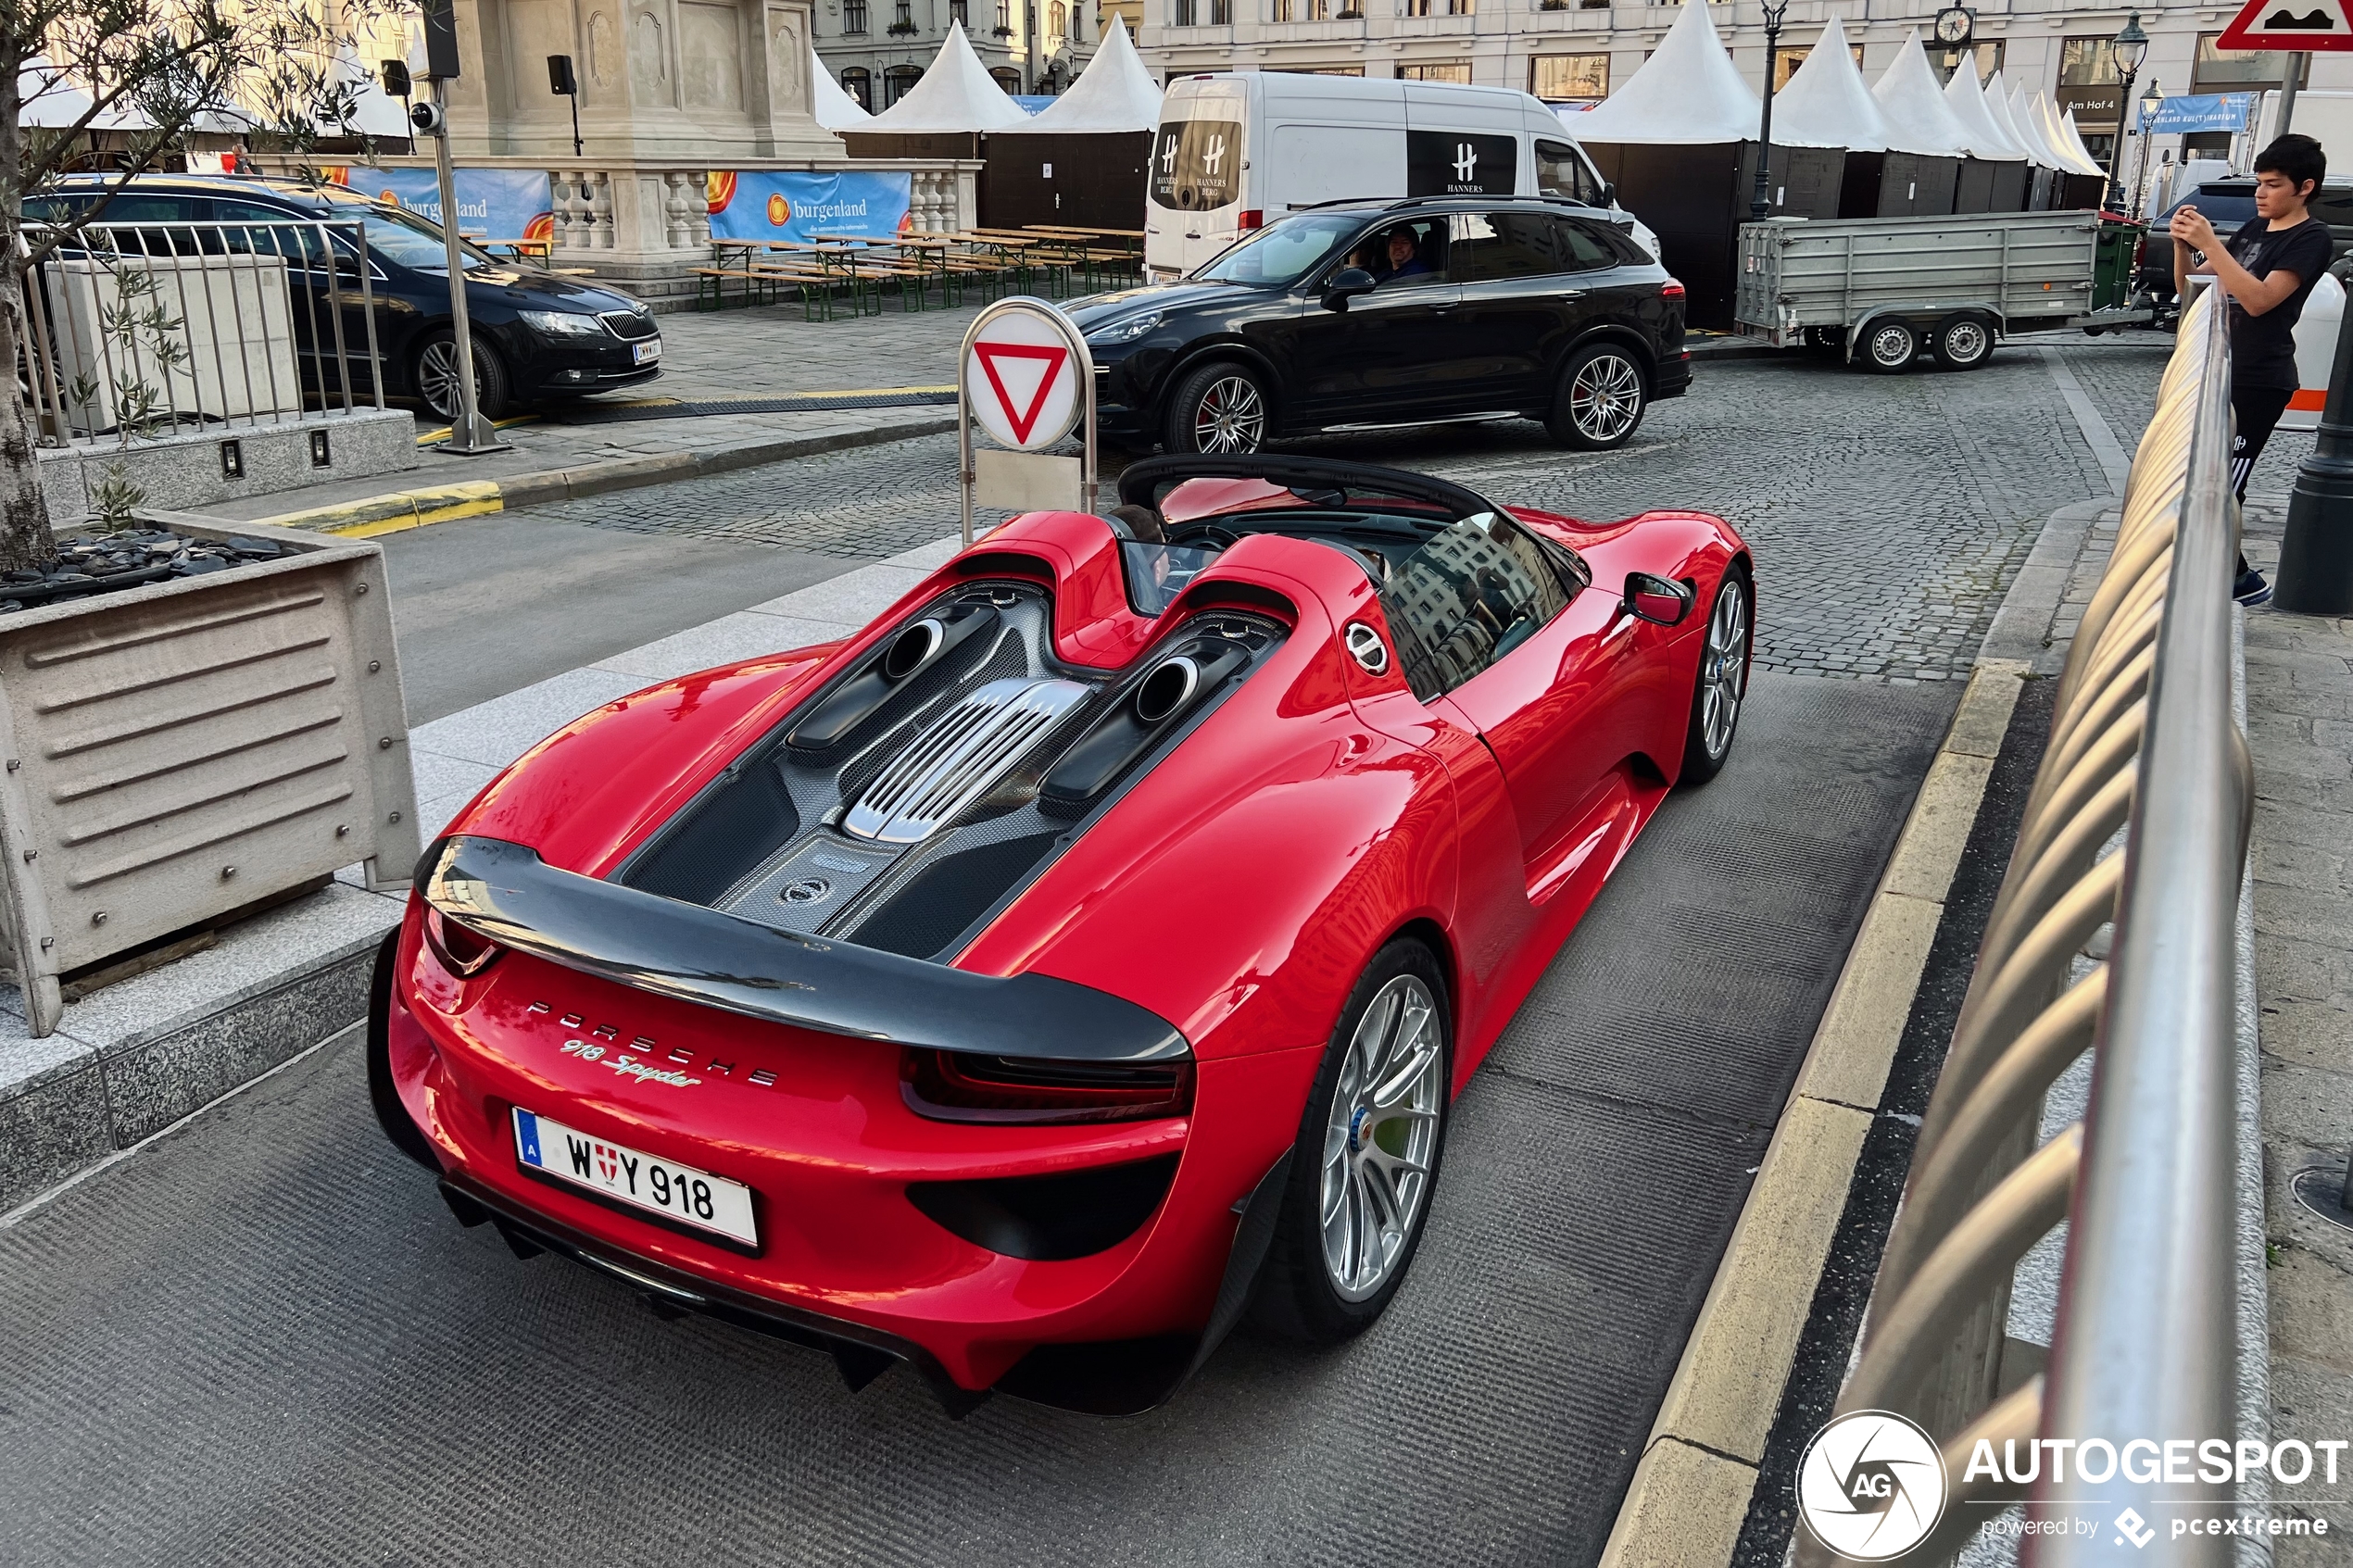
(2256, 411)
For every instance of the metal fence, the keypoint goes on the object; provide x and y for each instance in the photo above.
(2143, 739)
(147, 329)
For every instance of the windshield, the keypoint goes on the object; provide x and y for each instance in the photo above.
(404, 238)
(1282, 253)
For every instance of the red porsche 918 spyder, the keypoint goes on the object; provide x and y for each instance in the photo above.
(1086, 952)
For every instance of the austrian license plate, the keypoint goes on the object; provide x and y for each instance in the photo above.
(645, 353)
(678, 1192)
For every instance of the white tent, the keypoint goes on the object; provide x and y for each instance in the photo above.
(834, 109)
(1918, 121)
(956, 96)
(1999, 105)
(1966, 97)
(1826, 103)
(47, 97)
(372, 113)
(1115, 92)
(1687, 93)
(2048, 130)
(2075, 145)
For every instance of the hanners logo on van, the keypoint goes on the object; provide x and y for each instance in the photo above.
(1455, 163)
(1197, 164)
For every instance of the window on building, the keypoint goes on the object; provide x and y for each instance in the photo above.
(899, 80)
(1279, 10)
(1221, 13)
(961, 11)
(904, 21)
(853, 15)
(1181, 13)
(1557, 77)
(1461, 7)
(1789, 56)
(1057, 21)
(2086, 62)
(1945, 62)
(1008, 78)
(2241, 71)
(1005, 19)
(860, 85)
(1437, 71)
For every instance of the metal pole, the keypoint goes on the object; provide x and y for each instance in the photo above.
(1760, 207)
(2116, 153)
(574, 96)
(2316, 554)
(2287, 90)
(470, 433)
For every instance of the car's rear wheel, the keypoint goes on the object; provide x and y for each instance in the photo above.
(436, 377)
(1963, 342)
(1722, 684)
(1601, 399)
(1890, 347)
(1220, 408)
(1366, 1161)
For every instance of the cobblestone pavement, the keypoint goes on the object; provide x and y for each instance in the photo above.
(1887, 512)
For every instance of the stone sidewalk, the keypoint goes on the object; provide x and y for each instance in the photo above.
(2299, 700)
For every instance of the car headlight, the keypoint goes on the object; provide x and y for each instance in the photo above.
(562, 324)
(1128, 330)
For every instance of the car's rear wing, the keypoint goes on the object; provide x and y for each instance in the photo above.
(506, 892)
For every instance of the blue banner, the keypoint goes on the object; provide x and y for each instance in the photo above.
(2191, 115)
(799, 205)
(493, 204)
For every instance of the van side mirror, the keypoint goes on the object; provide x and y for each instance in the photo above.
(1659, 600)
(1345, 286)
(1609, 193)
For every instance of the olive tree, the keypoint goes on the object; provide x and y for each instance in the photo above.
(267, 69)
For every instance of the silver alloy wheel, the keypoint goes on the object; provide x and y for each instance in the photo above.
(1606, 397)
(1381, 1136)
(1724, 669)
(438, 378)
(1230, 417)
(1894, 345)
(1966, 342)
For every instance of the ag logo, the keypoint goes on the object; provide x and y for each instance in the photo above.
(1871, 1486)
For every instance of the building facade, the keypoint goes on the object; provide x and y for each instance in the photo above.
(878, 49)
(1570, 51)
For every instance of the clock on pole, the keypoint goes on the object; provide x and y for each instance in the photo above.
(1955, 25)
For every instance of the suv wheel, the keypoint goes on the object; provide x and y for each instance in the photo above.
(436, 377)
(1602, 397)
(1219, 408)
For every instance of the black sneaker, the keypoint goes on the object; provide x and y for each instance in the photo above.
(2251, 589)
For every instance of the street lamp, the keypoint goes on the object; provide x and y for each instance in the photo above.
(1761, 207)
(2127, 49)
(2152, 100)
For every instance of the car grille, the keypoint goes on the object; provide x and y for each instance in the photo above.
(958, 760)
(628, 325)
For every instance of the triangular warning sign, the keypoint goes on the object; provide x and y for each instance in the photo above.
(2321, 26)
(1021, 407)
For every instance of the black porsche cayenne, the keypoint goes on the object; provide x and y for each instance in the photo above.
(1367, 315)
(536, 333)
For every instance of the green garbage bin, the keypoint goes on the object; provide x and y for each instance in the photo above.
(2112, 264)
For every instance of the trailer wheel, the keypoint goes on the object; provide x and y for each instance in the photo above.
(1963, 343)
(1890, 348)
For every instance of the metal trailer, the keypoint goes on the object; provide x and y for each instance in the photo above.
(1880, 289)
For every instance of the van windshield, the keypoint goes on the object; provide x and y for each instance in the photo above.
(1284, 252)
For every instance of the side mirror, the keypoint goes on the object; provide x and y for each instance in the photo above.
(1609, 193)
(1345, 286)
(1659, 600)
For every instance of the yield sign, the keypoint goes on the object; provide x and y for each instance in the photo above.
(1021, 377)
(2321, 26)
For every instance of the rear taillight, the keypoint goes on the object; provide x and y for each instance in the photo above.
(1253, 218)
(462, 952)
(953, 1087)
(1673, 289)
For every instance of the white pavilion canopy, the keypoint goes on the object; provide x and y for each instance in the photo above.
(1918, 119)
(832, 108)
(1965, 96)
(1687, 93)
(1115, 92)
(955, 95)
(1826, 103)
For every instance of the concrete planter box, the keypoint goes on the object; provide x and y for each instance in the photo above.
(179, 750)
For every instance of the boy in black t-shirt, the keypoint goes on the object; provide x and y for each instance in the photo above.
(2268, 270)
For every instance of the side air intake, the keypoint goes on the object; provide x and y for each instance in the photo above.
(960, 758)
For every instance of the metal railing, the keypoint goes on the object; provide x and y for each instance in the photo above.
(144, 329)
(2143, 739)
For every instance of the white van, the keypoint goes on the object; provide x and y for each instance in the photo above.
(1236, 152)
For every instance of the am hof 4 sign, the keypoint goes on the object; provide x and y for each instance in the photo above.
(1027, 376)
